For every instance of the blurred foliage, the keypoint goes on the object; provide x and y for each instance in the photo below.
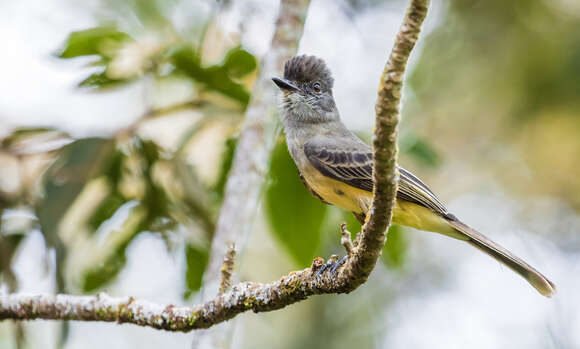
(396, 247)
(196, 259)
(419, 149)
(107, 191)
(217, 77)
(93, 196)
(78, 163)
(505, 76)
(122, 59)
(99, 275)
(226, 165)
(101, 81)
(296, 217)
(543, 54)
(8, 246)
(17, 140)
(152, 208)
(100, 41)
(414, 146)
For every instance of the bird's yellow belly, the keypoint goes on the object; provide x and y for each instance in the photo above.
(338, 193)
(359, 201)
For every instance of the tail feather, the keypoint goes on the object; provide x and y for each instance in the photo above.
(478, 240)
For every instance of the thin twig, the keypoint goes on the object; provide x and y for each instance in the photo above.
(174, 108)
(227, 270)
(345, 239)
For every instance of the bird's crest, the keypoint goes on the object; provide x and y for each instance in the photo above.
(306, 68)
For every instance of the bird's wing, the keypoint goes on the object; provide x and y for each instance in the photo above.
(414, 190)
(353, 165)
(346, 165)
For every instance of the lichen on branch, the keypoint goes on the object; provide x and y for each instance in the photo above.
(385, 176)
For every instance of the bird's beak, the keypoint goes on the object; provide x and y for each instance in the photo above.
(284, 84)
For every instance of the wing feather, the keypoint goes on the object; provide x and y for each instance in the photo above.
(354, 167)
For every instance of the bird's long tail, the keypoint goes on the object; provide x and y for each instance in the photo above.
(476, 239)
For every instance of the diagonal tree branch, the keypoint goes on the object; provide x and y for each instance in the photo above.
(289, 289)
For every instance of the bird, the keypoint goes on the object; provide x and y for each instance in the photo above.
(336, 166)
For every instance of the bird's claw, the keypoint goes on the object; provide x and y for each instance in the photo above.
(337, 265)
(333, 264)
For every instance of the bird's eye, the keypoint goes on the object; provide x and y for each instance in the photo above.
(316, 87)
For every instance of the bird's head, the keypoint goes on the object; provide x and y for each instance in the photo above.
(307, 91)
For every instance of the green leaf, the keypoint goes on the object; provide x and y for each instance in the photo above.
(114, 170)
(101, 41)
(239, 62)
(101, 81)
(155, 199)
(107, 270)
(296, 217)
(32, 140)
(395, 250)
(151, 214)
(77, 163)
(226, 165)
(9, 244)
(103, 274)
(106, 210)
(114, 200)
(151, 13)
(196, 258)
(149, 150)
(95, 41)
(216, 77)
(195, 202)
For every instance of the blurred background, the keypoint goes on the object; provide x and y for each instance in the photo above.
(118, 121)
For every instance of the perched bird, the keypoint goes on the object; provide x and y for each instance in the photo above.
(336, 166)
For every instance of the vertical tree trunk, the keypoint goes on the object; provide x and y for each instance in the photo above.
(250, 165)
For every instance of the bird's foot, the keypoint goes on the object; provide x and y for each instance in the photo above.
(333, 264)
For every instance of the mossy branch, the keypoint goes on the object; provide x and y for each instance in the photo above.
(385, 175)
(290, 288)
